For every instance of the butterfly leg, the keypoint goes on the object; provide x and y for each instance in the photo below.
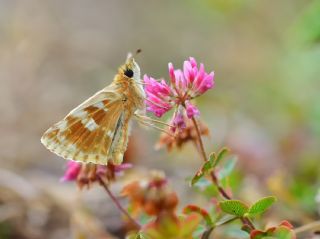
(144, 120)
(149, 119)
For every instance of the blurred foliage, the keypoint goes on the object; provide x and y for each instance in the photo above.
(306, 30)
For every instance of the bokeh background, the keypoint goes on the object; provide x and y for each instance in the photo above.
(265, 106)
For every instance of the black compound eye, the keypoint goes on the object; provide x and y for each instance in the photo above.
(128, 73)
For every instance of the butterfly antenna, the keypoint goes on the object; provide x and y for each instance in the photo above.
(138, 51)
(130, 55)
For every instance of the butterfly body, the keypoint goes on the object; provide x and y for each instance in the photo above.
(97, 131)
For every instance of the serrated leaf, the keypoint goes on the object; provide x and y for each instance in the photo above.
(261, 206)
(220, 156)
(234, 207)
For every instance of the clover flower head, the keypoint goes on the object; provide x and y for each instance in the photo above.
(185, 85)
(185, 135)
(156, 198)
(158, 96)
(153, 196)
(86, 174)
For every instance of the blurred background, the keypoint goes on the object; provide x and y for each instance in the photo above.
(265, 105)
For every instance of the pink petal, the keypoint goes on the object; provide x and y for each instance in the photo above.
(206, 84)
(122, 167)
(101, 170)
(188, 71)
(193, 62)
(178, 121)
(171, 72)
(192, 110)
(72, 171)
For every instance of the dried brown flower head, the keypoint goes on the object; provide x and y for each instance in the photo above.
(182, 136)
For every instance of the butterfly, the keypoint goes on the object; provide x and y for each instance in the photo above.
(97, 131)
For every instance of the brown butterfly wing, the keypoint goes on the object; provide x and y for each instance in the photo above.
(87, 133)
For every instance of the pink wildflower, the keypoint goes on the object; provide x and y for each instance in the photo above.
(184, 86)
(85, 174)
(158, 95)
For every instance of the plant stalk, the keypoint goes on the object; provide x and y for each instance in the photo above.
(223, 193)
(117, 203)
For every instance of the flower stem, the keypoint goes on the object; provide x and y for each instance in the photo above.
(117, 203)
(215, 180)
(247, 221)
(220, 189)
(202, 150)
(204, 155)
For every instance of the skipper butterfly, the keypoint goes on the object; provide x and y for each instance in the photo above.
(97, 130)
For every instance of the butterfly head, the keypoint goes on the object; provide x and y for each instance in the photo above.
(130, 69)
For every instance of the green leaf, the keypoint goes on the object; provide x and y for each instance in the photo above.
(205, 168)
(220, 156)
(197, 177)
(212, 162)
(261, 206)
(234, 207)
(283, 233)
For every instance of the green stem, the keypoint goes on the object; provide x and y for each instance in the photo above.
(215, 180)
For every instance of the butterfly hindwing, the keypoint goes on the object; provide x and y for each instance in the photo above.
(87, 133)
(120, 138)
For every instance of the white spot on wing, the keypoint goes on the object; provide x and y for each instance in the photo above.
(100, 105)
(80, 114)
(91, 125)
(109, 133)
(62, 124)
